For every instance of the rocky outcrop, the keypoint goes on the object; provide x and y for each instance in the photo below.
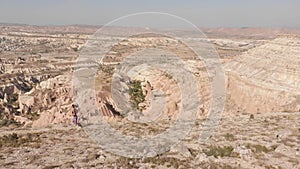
(26, 102)
(8, 90)
(266, 78)
(50, 100)
(54, 115)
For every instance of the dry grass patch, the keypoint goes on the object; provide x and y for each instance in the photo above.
(219, 151)
(229, 137)
(257, 148)
(15, 140)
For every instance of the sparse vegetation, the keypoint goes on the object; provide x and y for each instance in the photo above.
(51, 167)
(167, 161)
(15, 140)
(43, 59)
(219, 151)
(108, 70)
(214, 165)
(258, 148)
(229, 137)
(136, 94)
(9, 122)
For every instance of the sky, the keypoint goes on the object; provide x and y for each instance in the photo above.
(203, 13)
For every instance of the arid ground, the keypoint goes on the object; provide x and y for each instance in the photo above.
(259, 127)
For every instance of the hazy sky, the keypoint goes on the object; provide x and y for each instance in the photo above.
(204, 13)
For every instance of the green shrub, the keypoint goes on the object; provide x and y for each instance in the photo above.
(136, 94)
(219, 151)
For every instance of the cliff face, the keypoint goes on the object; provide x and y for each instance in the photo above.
(36, 67)
(266, 78)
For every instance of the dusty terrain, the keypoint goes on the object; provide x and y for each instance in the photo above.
(259, 128)
(262, 142)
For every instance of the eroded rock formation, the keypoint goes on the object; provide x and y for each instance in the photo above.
(266, 78)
